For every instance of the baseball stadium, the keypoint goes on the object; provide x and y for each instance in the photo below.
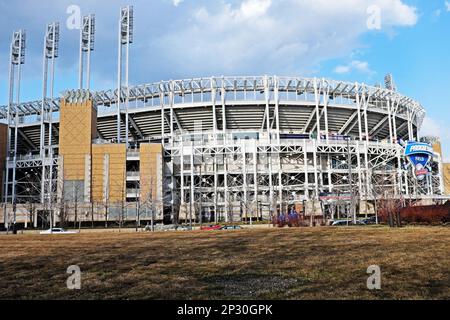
(212, 149)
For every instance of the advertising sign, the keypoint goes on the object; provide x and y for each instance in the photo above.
(419, 155)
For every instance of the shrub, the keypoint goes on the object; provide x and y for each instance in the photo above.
(426, 214)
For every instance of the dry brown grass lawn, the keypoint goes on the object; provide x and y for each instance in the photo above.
(321, 263)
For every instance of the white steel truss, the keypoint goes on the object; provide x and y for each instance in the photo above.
(237, 147)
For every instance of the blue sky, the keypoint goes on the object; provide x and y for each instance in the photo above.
(355, 40)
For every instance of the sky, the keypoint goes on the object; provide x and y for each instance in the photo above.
(352, 40)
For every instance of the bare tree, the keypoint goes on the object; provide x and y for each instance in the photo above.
(250, 208)
(123, 207)
(92, 213)
(387, 205)
(31, 188)
(144, 202)
(106, 212)
(75, 200)
(230, 208)
(31, 211)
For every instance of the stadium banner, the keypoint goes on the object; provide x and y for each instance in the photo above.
(419, 155)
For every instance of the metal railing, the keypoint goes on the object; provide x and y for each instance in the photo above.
(200, 90)
(228, 142)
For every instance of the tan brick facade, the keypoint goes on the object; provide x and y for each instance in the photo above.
(84, 161)
(437, 147)
(108, 159)
(151, 171)
(78, 127)
(446, 167)
(3, 151)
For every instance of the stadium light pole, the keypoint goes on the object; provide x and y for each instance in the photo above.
(55, 52)
(87, 40)
(125, 38)
(51, 50)
(17, 59)
(8, 121)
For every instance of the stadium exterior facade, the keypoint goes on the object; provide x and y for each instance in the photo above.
(219, 148)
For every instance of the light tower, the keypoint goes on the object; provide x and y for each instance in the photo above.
(87, 40)
(125, 38)
(389, 82)
(17, 59)
(51, 50)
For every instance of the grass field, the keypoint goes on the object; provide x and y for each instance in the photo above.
(306, 263)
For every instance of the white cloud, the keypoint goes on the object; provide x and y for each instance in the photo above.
(290, 36)
(355, 65)
(254, 8)
(431, 127)
(447, 5)
(342, 69)
(176, 2)
(230, 37)
(399, 13)
(438, 128)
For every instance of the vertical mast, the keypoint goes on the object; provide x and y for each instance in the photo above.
(17, 59)
(125, 39)
(87, 40)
